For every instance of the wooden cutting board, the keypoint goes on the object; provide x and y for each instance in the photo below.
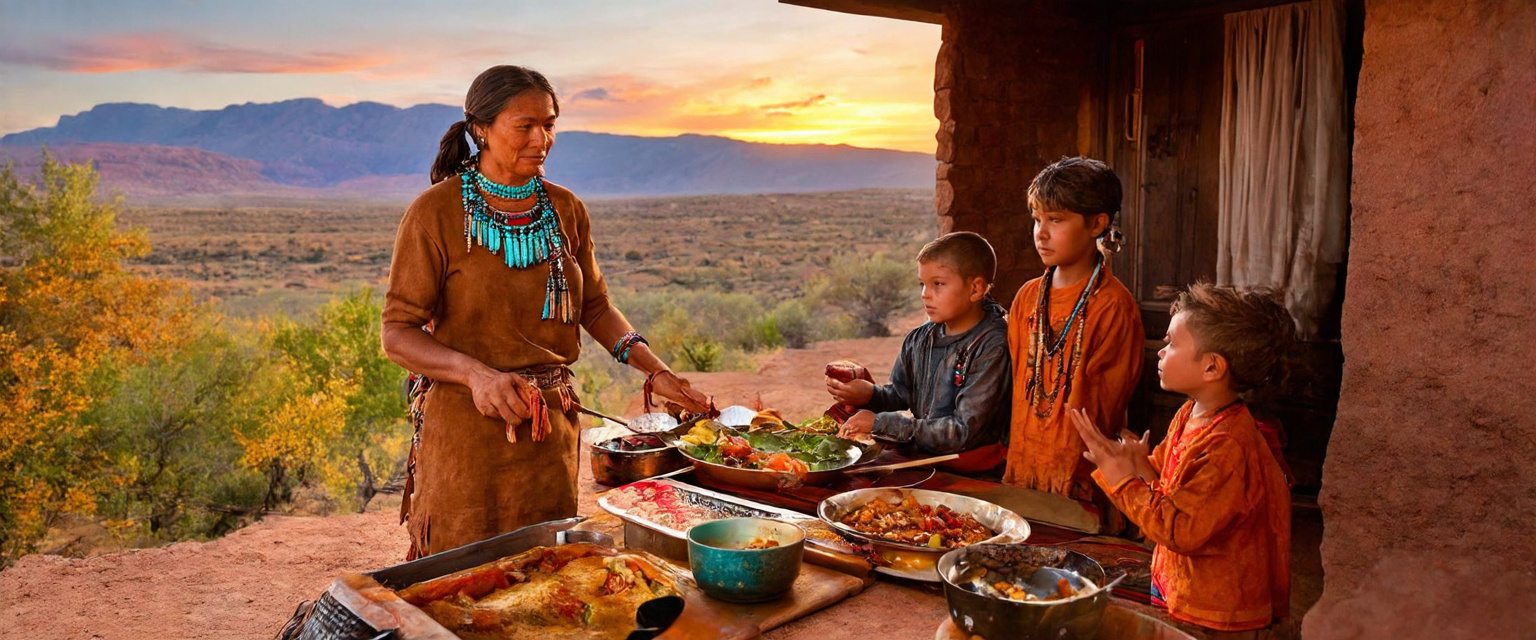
(703, 618)
(815, 589)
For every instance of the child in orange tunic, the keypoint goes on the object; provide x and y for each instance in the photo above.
(1212, 495)
(1075, 334)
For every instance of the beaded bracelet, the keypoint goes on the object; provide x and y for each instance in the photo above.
(622, 348)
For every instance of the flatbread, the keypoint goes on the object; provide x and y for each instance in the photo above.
(571, 592)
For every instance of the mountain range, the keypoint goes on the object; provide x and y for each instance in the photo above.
(371, 148)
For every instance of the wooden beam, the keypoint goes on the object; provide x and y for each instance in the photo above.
(930, 11)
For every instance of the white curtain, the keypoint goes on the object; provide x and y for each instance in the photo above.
(1284, 158)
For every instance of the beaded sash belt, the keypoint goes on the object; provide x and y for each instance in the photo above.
(550, 376)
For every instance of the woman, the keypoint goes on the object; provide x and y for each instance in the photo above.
(493, 275)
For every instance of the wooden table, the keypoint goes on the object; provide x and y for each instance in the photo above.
(896, 609)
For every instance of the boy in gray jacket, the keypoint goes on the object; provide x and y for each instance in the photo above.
(953, 373)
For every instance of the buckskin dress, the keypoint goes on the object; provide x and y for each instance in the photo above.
(469, 483)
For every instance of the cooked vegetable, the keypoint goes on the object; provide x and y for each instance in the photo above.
(824, 424)
(917, 524)
(788, 450)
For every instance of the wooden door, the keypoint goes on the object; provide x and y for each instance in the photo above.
(1168, 163)
(1165, 127)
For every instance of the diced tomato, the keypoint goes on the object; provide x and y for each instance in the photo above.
(615, 584)
(734, 447)
(786, 462)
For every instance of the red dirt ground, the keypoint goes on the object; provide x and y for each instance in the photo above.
(246, 584)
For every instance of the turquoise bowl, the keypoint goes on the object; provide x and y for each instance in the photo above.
(724, 570)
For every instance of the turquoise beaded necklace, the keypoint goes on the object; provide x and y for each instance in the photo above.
(532, 186)
(1045, 348)
(521, 239)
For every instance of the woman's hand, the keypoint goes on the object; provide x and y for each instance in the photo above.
(859, 428)
(503, 396)
(855, 392)
(673, 387)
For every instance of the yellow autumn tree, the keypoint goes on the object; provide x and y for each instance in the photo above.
(292, 439)
(328, 410)
(68, 308)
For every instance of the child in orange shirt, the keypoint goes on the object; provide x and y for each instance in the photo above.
(1212, 495)
(1075, 334)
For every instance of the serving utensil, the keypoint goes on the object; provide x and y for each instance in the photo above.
(657, 424)
(920, 462)
(598, 414)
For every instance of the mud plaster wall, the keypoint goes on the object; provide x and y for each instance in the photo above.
(1429, 489)
(1016, 87)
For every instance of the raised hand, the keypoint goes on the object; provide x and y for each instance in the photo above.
(1114, 460)
(854, 392)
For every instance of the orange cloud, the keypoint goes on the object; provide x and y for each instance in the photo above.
(798, 104)
(752, 107)
(151, 51)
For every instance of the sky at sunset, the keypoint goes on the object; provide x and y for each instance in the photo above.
(748, 69)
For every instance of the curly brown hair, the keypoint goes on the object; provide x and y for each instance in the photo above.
(1251, 329)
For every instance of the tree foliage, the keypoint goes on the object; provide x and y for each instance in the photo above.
(124, 401)
(68, 311)
(869, 288)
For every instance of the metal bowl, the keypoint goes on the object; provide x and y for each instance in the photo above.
(613, 466)
(770, 480)
(915, 561)
(992, 616)
(724, 570)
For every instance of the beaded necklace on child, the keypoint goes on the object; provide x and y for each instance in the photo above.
(1045, 349)
(521, 239)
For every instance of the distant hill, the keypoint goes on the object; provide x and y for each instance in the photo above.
(153, 170)
(306, 143)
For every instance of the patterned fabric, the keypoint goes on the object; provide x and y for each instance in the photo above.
(1221, 517)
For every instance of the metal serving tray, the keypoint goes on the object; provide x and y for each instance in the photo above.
(356, 603)
(660, 539)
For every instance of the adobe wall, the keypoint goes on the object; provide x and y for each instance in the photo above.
(1016, 87)
(1429, 489)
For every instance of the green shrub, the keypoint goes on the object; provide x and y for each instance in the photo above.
(793, 322)
(869, 289)
(702, 354)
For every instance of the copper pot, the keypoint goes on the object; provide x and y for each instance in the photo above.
(623, 460)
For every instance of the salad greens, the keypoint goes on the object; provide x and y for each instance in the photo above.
(818, 451)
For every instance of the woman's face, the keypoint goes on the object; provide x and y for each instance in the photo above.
(519, 139)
